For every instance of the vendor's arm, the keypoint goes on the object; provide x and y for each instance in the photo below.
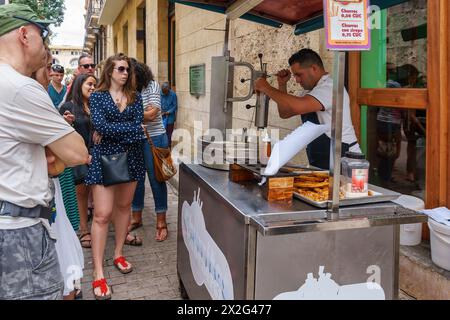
(288, 105)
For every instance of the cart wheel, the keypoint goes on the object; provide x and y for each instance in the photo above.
(183, 292)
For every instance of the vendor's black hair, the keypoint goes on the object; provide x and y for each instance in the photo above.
(306, 58)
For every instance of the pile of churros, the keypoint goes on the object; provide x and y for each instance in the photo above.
(313, 186)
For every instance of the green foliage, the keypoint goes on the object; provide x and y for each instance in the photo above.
(48, 9)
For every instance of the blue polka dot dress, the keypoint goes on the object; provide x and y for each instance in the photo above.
(120, 131)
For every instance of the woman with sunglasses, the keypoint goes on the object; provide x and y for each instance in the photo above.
(151, 95)
(117, 115)
(77, 112)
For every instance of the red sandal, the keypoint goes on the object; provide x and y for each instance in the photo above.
(124, 263)
(101, 283)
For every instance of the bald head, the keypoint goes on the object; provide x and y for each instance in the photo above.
(23, 49)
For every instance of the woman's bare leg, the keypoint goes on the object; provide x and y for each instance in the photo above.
(122, 207)
(104, 200)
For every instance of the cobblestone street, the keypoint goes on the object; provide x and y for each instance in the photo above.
(155, 275)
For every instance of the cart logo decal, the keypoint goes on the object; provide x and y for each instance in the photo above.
(208, 263)
(324, 288)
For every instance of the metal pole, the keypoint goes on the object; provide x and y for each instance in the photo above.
(227, 35)
(336, 135)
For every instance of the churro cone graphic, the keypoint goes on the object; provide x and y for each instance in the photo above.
(334, 9)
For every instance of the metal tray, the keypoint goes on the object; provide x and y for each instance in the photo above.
(380, 195)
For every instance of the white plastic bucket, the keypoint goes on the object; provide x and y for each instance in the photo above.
(410, 234)
(440, 244)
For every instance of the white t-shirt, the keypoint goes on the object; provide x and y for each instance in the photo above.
(28, 123)
(323, 92)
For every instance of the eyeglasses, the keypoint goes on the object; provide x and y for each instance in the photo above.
(89, 65)
(44, 31)
(122, 69)
(58, 68)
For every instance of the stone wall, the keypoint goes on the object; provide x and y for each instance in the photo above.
(407, 15)
(121, 36)
(195, 45)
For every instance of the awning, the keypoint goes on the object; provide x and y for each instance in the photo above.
(305, 15)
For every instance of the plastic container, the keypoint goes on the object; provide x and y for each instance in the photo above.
(265, 148)
(355, 169)
(440, 244)
(410, 234)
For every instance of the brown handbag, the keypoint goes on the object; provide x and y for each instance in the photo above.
(162, 161)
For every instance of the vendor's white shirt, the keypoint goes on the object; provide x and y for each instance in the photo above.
(28, 123)
(323, 92)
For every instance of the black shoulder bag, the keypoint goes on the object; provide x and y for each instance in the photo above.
(115, 169)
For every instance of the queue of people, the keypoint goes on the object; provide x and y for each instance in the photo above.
(391, 121)
(59, 137)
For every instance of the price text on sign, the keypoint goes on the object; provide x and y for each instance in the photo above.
(347, 24)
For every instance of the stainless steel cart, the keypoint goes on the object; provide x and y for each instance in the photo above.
(233, 244)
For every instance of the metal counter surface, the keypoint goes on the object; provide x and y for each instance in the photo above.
(271, 218)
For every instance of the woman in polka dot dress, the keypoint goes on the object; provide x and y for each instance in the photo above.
(117, 115)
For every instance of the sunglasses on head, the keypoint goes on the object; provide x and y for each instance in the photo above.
(89, 65)
(58, 68)
(44, 31)
(122, 69)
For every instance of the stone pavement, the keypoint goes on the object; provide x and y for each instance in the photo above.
(155, 271)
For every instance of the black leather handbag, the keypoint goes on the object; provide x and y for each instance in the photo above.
(115, 169)
(79, 174)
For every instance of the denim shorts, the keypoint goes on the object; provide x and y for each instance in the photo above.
(29, 267)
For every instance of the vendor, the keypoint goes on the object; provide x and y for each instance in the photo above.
(314, 104)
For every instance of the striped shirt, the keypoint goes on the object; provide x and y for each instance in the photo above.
(151, 95)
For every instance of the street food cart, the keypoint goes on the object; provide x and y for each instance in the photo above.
(235, 244)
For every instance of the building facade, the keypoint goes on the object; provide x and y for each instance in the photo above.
(95, 36)
(67, 56)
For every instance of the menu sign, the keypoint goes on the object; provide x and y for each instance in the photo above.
(347, 24)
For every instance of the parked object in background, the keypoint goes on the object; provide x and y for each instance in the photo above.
(410, 234)
(439, 224)
(440, 244)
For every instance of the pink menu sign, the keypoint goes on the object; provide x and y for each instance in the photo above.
(347, 24)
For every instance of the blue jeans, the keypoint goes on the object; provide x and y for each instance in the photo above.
(159, 189)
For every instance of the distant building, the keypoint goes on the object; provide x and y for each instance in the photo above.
(95, 37)
(67, 56)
